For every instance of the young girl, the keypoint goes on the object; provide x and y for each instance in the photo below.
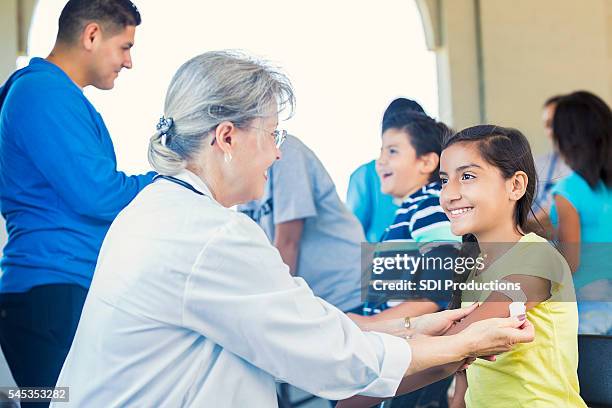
(582, 207)
(488, 184)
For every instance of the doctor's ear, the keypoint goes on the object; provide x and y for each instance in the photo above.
(223, 135)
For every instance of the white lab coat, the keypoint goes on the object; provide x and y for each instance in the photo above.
(190, 305)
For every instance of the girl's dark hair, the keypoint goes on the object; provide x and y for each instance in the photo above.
(508, 150)
(424, 133)
(582, 131)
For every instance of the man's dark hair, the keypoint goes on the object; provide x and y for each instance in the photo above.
(112, 15)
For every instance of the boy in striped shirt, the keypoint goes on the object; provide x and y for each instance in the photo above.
(408, 168)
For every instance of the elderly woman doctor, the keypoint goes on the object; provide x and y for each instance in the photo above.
(191, 305)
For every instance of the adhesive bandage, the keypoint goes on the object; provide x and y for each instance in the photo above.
(518, 297)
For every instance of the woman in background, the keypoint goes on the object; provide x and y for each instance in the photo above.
(582, 207)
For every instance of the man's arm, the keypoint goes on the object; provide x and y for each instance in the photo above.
(293, 198)
(287, 237)
(66, 146)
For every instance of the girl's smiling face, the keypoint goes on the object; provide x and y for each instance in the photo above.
(475, 196)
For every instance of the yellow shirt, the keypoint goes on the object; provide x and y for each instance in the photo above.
(541, 373)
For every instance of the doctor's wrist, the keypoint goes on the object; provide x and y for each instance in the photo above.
(466, 345)
(396, 327)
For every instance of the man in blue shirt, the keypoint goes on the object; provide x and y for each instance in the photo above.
(59, 185)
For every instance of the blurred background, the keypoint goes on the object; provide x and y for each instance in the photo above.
(465, 61)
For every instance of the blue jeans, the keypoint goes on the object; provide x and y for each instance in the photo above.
(36, 332)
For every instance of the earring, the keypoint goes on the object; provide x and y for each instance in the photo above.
(227, 157)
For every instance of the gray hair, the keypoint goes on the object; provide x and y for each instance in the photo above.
(209, 89)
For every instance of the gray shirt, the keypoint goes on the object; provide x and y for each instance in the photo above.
(299, 187)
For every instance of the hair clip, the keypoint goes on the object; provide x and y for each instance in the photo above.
(163, 127)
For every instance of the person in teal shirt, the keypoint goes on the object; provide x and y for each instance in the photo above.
(374, 209)
(582, 207)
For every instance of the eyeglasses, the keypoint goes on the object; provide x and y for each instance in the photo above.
(278, 135)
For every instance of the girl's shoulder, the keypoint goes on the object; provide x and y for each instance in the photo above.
(532, 237)
(532, 248)
(534, 256)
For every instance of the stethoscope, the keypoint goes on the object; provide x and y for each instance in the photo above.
(179, 182)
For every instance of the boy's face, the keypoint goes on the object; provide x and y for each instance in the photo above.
(111, 53)
(398, 165)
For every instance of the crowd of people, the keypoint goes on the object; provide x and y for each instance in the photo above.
(234, 264)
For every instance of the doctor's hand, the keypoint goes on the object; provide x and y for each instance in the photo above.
(495, 336)
(394, 327)
(432, 324)
(436, 324)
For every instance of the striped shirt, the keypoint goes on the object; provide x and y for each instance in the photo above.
(421, 218)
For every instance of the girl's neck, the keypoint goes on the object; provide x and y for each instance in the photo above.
(505, 235)
(494, 243)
